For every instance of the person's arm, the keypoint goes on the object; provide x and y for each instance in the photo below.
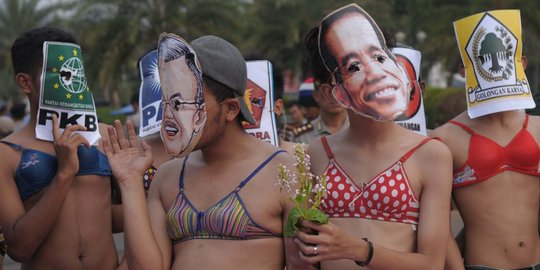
(25, 231)
(453, 261)
(332, 243)
(146, 244)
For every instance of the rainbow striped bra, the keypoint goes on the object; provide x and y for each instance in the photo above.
(228, 219)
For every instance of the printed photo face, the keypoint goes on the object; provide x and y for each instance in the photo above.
(416, 92)
(255, 98)
(370, 81)
(183, 106)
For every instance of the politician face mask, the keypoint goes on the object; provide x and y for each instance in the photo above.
(367, 78)
(184, 113)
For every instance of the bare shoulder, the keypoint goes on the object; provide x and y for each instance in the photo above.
(449, 132)
(318, 156)
(280, 156)
(287, 146)
(434, 150)
(169, 167)
(315, 147)
(7, 154)
(434, 161)
(534, 126)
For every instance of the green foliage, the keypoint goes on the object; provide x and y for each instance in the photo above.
(16, 17)
(307, 196)
(114, 34)
(441, 105)
(292, 221)
(104, 115)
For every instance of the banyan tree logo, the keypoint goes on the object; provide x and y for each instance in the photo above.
(492, 51)
(493, 54)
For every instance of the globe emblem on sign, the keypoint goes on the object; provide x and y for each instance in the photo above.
(72, 76)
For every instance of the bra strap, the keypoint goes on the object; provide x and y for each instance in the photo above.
(181, 180)
(463, 126)
(526, 121)
(250, 176)
(15, 146)
(410, 152)
(326, 147)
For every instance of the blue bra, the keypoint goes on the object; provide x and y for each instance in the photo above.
(37, 169)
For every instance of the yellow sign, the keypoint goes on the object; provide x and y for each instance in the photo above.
(490, 45)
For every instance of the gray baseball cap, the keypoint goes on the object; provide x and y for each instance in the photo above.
(223, 62)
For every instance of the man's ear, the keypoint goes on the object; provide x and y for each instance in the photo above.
(199, 118)
(232, 109)
(278, 107)
(524, 62)
(462, 70)
(341, 96)
(422, 84)
(326, 91)
(24, 82)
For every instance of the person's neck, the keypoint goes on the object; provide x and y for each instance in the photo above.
(230, 145)
(30, 127)
(364, 130)
(334, 121)
(503, 119)
(159, 153)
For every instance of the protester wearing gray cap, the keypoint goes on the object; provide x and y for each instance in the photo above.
(219, 207)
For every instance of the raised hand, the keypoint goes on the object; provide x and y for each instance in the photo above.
(129, 158)
(65, 147)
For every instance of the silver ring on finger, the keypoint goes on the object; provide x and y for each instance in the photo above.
(315, 253)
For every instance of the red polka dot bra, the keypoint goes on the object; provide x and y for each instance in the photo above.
(386, 197)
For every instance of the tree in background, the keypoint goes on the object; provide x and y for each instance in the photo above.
(17, 17)
(115, 33)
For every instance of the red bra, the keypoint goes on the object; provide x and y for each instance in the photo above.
(386, 197)
(487, 158)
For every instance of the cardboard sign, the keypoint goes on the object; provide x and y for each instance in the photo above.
(150, 95)
(490, 45)
(414, 117)
(65, 92)
(259, 97)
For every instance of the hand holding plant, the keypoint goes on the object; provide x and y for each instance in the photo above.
(307, 197)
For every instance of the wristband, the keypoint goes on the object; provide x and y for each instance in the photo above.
(369, 256)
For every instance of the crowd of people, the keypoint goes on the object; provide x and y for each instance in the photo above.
(213, 202)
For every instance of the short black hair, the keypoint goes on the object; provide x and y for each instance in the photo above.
(291, 104)
(313, 58)
(220, 92)
(277, 73)
(134, 98)
(278, 82)
(27, 50)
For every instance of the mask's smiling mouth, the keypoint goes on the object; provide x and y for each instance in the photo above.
(170, 129)
(382, 94)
